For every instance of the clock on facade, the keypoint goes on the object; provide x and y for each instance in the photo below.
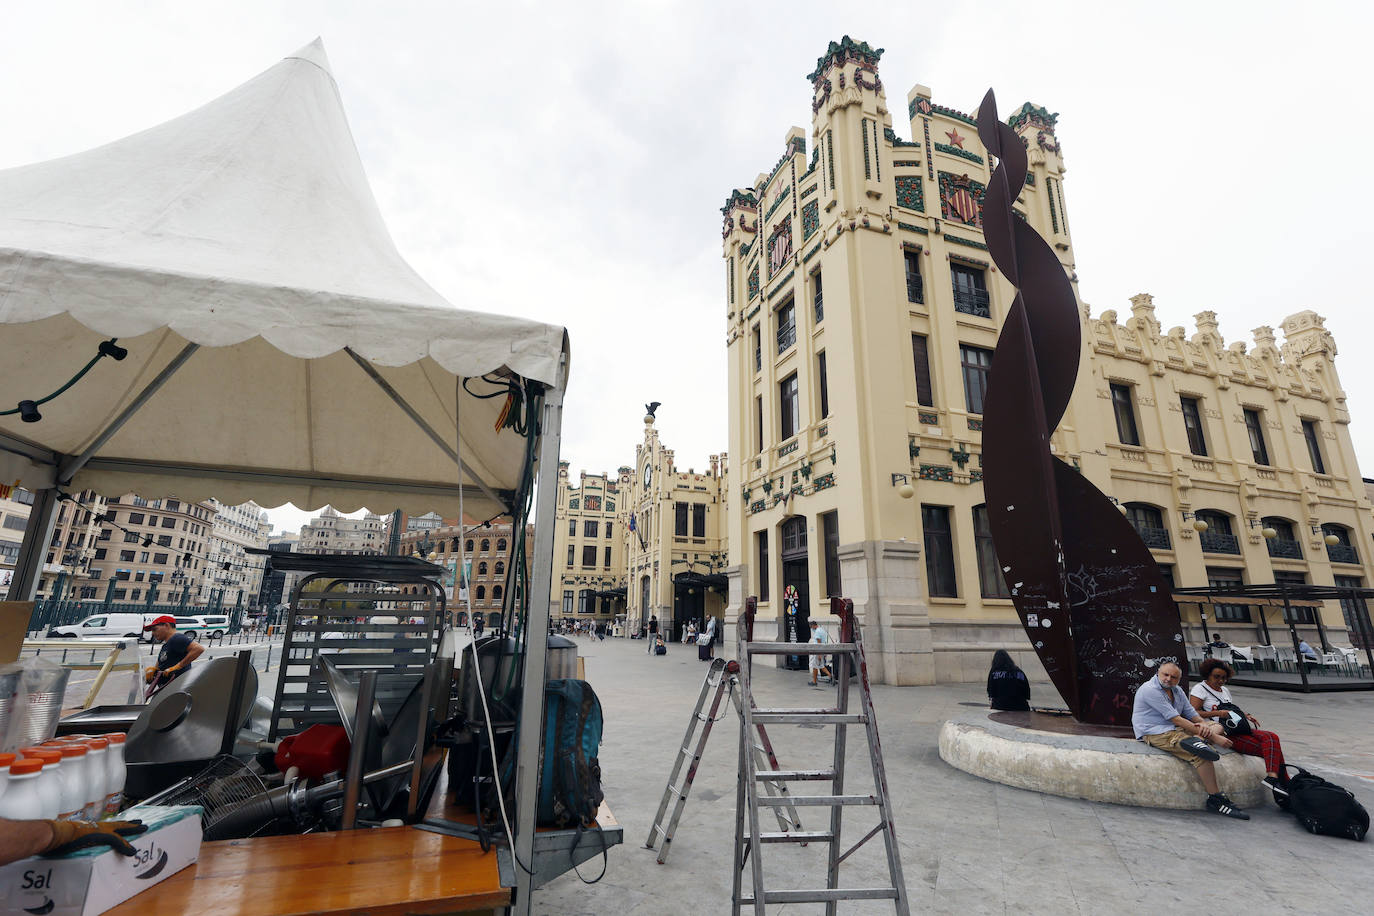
(648, 475)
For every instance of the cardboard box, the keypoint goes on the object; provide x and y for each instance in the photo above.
(92, 881)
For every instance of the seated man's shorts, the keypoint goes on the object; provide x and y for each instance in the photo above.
(1169, 741)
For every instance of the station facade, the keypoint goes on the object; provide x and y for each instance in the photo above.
(862, 311)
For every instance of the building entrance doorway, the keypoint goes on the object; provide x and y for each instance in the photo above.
(689, 603)
(796, 574)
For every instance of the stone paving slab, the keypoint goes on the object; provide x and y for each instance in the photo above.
(968, 846)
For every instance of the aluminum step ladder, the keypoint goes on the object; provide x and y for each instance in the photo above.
(848, 656)
(721, 678)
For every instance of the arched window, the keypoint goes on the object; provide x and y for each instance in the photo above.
(501, 545)
(1285, 544)
(1148, 522)
(486, 545)
(1219, 536)
(455, 545)
(644, 598)
(1343, 551)
(482, 568)
(481, 592)
(496, 593)
(500, 568)
(468, 546)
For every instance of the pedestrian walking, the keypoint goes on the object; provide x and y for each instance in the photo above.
(818, 662)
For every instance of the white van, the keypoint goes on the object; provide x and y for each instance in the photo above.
(213, 626)
(102, 626)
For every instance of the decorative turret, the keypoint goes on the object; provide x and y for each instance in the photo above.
(1306, 339)
(849, 124)
(1143, 310)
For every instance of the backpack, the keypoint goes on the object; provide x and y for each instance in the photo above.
(1324, 807)
(570, 785)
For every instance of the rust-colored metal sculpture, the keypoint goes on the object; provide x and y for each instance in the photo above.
(1087, 589)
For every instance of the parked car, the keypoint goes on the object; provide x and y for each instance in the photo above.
(214, 625)
(101, 626)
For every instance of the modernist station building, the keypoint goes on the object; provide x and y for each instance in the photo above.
(862, 310)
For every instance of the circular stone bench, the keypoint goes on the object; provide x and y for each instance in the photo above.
(1116, 770)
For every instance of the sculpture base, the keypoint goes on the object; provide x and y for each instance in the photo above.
(1073, 760)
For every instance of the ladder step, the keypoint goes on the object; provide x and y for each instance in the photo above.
(802, 648)
(808, 717)
(781, 775)
(815, 801)
(797, 836)
(822, 894)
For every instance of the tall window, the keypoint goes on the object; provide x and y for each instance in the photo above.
(698, 520)
(607, 562)
(572, 530)
(1254, 426)
(939, 546)
(589, 555)
(920, 357)
(817, 296)
(644, 597)
(680, 520)
(1285, 543)
(1228, 579)
(823, 384)
(572, 555)
(567, 601)
(977, 365)
(757, 336)
(1218, 538)
(970, 290)
(1314, 445)
(787, 326)
(990, 579)
(1123, 405)
(1343, 551)
(762, 541)
(758, 423)
(915, 288)
(1356, 613)
(1148, 522)
(830, 545)
(610, 526)
(1192, 422)
(789, 407)
(1295, 614)
(589, 528)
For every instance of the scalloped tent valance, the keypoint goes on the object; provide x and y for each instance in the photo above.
(245, 234)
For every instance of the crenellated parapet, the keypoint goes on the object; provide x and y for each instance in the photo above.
(1303, 366)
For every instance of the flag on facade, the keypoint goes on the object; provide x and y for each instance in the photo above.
(632, 521)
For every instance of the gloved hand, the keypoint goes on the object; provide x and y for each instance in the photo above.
(150, 674)
(69, 836)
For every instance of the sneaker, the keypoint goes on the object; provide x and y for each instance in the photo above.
(1200, 748)
(1273, 783)
(1220, 804)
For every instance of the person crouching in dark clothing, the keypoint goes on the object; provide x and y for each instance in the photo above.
(1007, 685)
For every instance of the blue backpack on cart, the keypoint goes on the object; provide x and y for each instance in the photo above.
(570, 783)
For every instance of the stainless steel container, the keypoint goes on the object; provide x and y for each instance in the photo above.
(9, 690)
(562, 659)
(44, 689)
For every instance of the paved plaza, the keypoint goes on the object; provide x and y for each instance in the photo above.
(968, 846)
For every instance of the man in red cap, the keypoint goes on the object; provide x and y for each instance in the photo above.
(178, 651)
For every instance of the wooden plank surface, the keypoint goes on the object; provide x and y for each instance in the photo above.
(389, 870)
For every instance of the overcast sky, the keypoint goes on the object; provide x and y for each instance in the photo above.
(567, 162)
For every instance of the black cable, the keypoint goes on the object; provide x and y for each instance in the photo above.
(28, 410)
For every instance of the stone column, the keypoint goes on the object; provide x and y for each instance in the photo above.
(882, 578)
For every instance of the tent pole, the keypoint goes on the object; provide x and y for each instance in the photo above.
(411, 412)
(70, 465)
(28, 566)
(530, 751)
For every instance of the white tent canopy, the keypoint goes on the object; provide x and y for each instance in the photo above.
(240, 247)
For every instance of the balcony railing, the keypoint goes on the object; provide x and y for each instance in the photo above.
(787, 336)
(1155, 538)
(972, 302)
(1342, 553)
(1285, 549)
(915, 289)
(1219, 543)
(820, 308)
